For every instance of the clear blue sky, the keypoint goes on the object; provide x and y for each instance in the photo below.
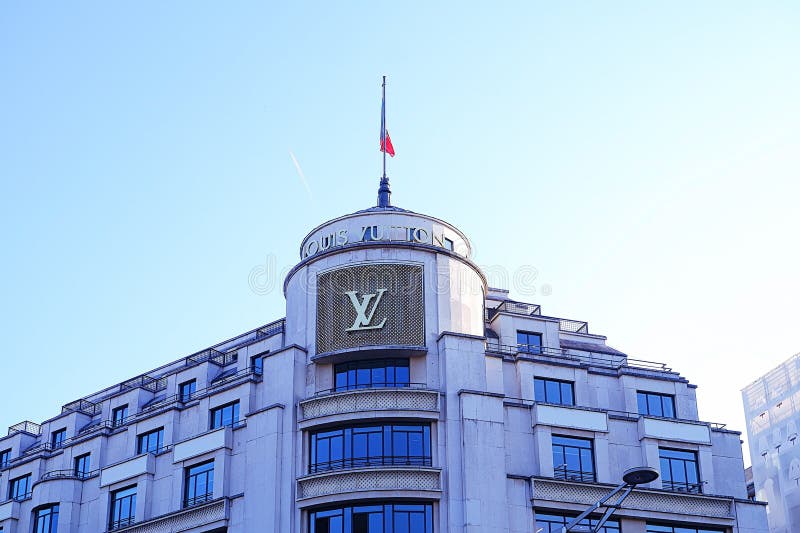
(642, 157)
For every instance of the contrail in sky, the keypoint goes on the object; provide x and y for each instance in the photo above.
(300, 173)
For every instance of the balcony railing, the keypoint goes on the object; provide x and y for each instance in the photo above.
(82, 406)
(682, 486)
(200, 499)
(26, 426)
(371, 386)
(145, 382)
(562, 472)
(591, 358)
(122, 522)
(378, 460)
(69, 474)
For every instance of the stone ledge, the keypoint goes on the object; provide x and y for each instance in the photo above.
(359, 480)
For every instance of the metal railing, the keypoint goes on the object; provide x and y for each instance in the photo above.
(122, 522)
(592, 358)
(69, 474)
(244, 373)
(200, 499)
(372, 386)
(562, 472)
(83, 406)
(573, 326)
(145, 382)
(682, 486)
(26, 426)
(377, 460)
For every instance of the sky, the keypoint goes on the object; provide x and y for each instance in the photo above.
(631, 164)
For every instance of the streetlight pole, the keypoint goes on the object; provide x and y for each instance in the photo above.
(631, 478)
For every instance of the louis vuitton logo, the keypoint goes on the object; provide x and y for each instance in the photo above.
(364, 318)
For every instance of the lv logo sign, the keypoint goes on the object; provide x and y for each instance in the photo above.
(363, 315)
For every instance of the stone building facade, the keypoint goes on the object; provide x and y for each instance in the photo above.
(399, 394)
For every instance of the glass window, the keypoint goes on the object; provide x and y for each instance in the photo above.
(375, 445)
(573, 458)
(123, 508)
(553, 391)
(5, 458)
(257, 364)
(19, 488)
(375, 518)
(58, 437)
(372, 374)
(679, 470)
(225, 415)
(151, 442)
(528, 342)
(654, 404)
(119, 415)
(83, 465)
(45, 519)
(668, 528)
(198, 484)
(553, 523)
(187, 389)
(448, 243)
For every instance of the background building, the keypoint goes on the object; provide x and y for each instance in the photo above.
(399, 394)
(772, 409)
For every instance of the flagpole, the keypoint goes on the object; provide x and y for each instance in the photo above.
(384, 192)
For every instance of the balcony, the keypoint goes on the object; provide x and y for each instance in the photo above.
(26, 426)
(644, 503)
(580, 357)
(213, 514)
(414, 400)
(411, 481)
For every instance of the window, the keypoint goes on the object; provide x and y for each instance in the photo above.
(198, 484)
(5, 458)
(119, 415)
(528, 342)
(553, 391)
(573, 459)
(225, 415)
(83, 465)
(372, 374)
(186, 390)
(375, 518)
(357, 446)
(257, 364)
(151, 442)
(666, 528)
(553, 523)
(679, 471)
(45, 519)
(123, 508)
(58, 437)
(654, 404)
(19, 488)
(448, 243)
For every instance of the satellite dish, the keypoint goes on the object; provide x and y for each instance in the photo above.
(640, 475)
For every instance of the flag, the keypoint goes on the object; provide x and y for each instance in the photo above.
(386, 141)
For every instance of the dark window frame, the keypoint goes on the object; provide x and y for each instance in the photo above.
(192, 476)
(527, 346)
(387, 513)
(57, 438)
(548, 391)
(650, 403)
(257, 363)
(666, 527)
(118, 504)
(14, 492)
(234, 418)
(116, 420)
(5, 458)
(82, 465)
(45, 518)
(385, 444)
(553, 522)
(565, 446)
(683, 465)
(143, 441)
(185, 396)
(366, 374)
